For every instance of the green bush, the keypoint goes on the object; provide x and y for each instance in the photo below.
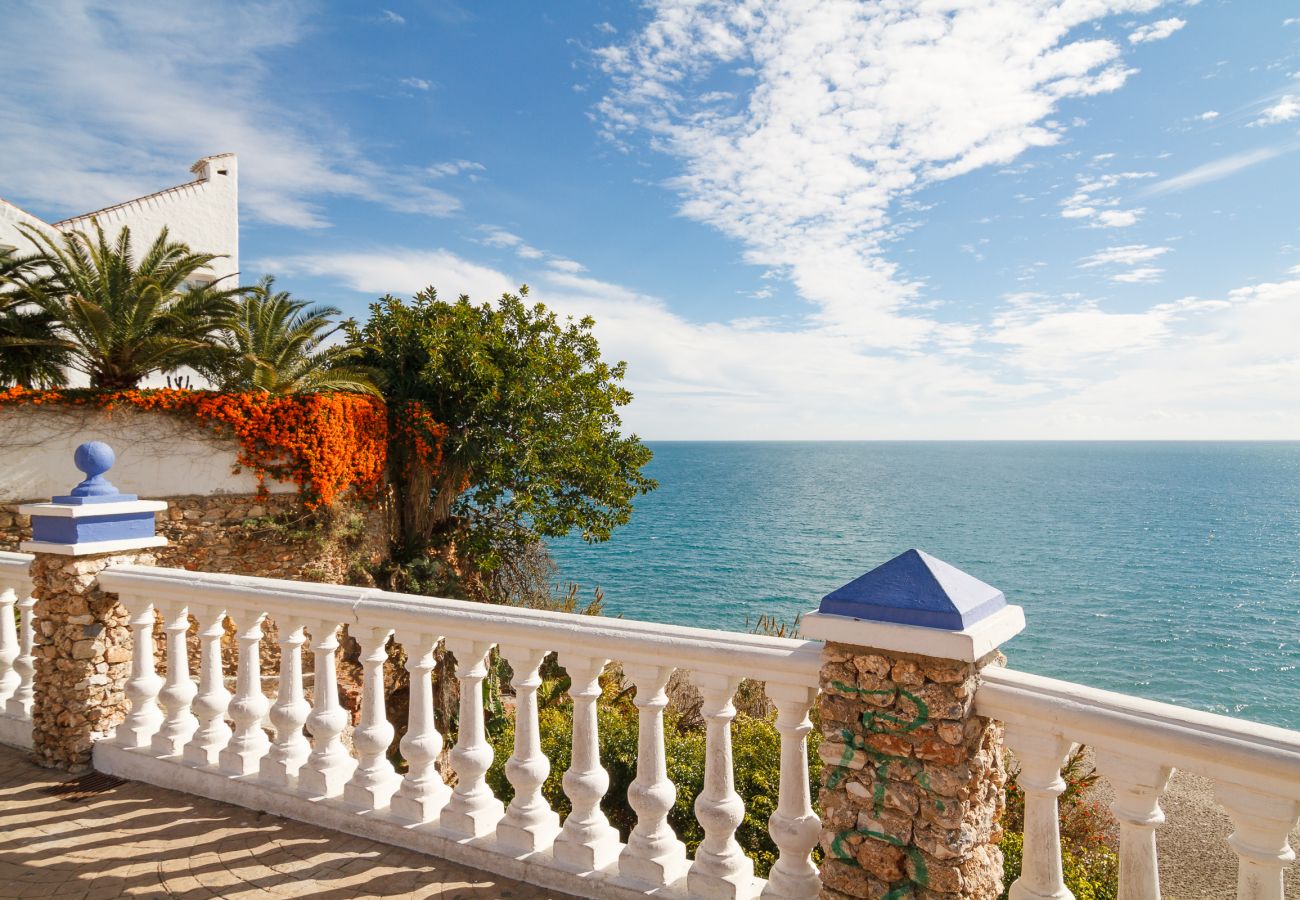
(756, 746)
(1091, 874)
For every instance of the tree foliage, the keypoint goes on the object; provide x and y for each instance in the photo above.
(277, 344)
(533, 444)
(32, 355)
(123, 319)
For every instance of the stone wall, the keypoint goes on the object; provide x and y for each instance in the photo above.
(82, 653)
(273, 537)
(912, 787)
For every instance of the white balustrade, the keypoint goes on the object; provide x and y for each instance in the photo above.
(1261, 821)
(654, 855)
(178, 692)
(212, 699)
(721, 868)
(1138, 784)
(8, 642)
(19, 704)
(17, 637)
(529, 823)
(1041, 755)
(586, 842)
(375, 780)
(145, 716)
(244, 751)
(423, 793)
(1138, 743)
(290, 748)
(794, 826)
(329, 766)
(472, 810)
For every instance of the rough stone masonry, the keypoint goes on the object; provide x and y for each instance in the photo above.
(912, 787)
(83, 656)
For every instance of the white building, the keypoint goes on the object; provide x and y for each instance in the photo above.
(203, 213)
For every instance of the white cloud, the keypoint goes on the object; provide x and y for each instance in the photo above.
(1093, 199)
(1127, 255)
(499, 237)
(1214, 170)
(605, 28)
(852, 107)
(393, 18)
(419, 84)
(1208, 116)
(161, 97)
(1140, 275)
(1156, 31)
(1117, 218)
(1286, 109)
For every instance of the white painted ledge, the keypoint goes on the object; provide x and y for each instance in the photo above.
(969, 645)
(93, 547)
(90, 510)
(538, 867)
(15, 732)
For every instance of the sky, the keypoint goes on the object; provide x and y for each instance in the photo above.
(935, 219)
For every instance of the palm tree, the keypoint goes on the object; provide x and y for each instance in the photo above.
(123, 319)
(275, 344)
(32, 355)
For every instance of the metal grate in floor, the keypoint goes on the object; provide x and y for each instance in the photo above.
(92, 784)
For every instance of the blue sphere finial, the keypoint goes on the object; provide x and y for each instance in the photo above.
(94, 458)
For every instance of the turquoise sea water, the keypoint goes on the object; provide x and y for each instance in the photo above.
(1166, 570)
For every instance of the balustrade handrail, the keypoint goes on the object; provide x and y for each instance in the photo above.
(14, 569)
(785, 660)
(1208, 744)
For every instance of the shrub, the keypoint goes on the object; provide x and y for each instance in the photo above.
(1091, 874)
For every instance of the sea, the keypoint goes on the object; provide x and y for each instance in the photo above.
(1164, 570)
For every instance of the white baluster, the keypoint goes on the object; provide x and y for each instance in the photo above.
(587, 842)
(142, 687)
(330, 765)
(1138, 784)
(721, 868)
(471, 811)
(243, 754)
(178, 694)
(794, 826)
(20, 704)
(1041, 756)
(375, 780)
(8, 643)
(529, 824)
(653, 854)
(423, 793)
(212, 700)
(1262, 821)
(290, 748)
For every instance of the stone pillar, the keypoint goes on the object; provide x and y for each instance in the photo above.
(912, 779)
(83, 640)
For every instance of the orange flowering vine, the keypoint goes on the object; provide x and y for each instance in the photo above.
(326, 444)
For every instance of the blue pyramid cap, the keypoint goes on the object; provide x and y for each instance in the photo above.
(914, 588)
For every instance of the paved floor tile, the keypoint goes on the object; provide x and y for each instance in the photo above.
(140, 841)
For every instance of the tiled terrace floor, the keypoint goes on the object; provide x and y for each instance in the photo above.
(140, 841)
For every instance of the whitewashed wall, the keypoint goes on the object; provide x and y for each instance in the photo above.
(158, 455)
(203, 213)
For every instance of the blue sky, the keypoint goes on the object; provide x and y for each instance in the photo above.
(985, 219)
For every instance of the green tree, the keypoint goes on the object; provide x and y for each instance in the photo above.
(32, 355)
(124, 319)
(533, 445)
(275, 344)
